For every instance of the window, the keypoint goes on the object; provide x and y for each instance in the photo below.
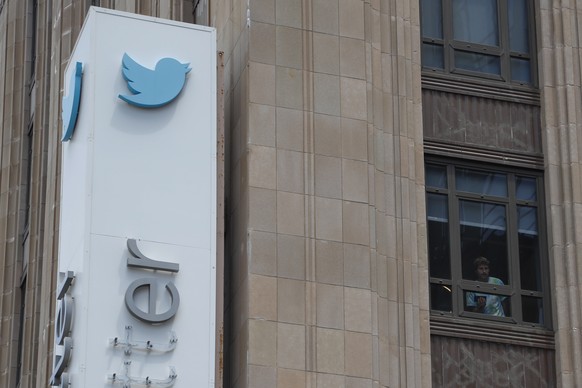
(486, 252)
(491, 39)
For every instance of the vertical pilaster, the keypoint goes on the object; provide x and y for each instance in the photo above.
(327, 196)
(560, 71)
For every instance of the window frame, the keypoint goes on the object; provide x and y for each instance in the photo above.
(457, 284)
(450, 45)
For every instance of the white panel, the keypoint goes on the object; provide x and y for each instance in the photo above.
(152, 167)
(146, 174)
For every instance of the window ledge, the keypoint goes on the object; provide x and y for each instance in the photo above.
(483, 154)
(476, 329)
(474, 86)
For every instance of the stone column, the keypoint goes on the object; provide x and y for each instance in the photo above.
(327, 209)
(560, 81)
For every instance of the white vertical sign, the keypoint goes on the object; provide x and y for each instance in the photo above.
(137, 234)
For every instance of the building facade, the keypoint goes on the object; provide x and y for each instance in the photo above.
(372, 151)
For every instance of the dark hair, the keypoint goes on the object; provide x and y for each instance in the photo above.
(480, 261)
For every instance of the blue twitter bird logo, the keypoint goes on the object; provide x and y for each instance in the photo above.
(153, 88)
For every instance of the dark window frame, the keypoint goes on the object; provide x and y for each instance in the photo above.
(456, 283)
(457, 75)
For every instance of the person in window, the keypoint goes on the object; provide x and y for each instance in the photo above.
(489, 304)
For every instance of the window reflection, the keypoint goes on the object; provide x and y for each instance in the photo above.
(432, 18)
(520, 70)
(481, 63)
(441, 297)
(479, 182)
(525, 188)
(438, 236)
(483, 233)
(436, 176)
(518, 30)
(433, 56)
(476, 21)
(532, 310)
(529, 251)
(489, 304)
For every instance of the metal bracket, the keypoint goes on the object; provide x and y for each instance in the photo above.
(128, 345)
(126, 381)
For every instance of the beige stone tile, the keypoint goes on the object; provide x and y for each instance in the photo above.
(262, 43)
(291, 257)
(354, 139)
(262, 342)
(353, 98)
(262, 250)
(330, 306)
(356, 266)
(262, 209)
(262, 376)
(355, 223)
(330, 351)
(291, 301)
(358, 382)
(326, 94)
(327, 135)
(328, 176)
(325, 380)
(262, 125)
(328, 219)
(326, 16)
(261, 83)
(290, 171)
(263, 297)
(326, 53)
(289, 378)
(290, 129)
(358, 309)
(289, 47)
(351, 18)
(358, 360)
(289, 88)
(355, 180)
(262, 11)
(262, 167)
(291, 346)
(288, 13)
(352, 58)
(290, 213)
(329, 262)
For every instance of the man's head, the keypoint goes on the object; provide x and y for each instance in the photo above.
(481, 265)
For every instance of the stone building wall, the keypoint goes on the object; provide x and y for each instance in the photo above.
(326, 215)
(560, 81)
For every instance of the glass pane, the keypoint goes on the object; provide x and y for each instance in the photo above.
(438, 236)
(529, 252)
(477, 62)
(518, 31)
(520, 70)
(480, 182)
(490, 304)
(532, 309)
(432, 18)
(441, 297)
(432, 56)
(525, 188)
(476, 21)
(483, 235)
(436, 176)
